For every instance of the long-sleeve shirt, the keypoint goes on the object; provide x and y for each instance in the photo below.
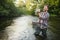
(43, 19)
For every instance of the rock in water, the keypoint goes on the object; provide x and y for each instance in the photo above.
(21, 29)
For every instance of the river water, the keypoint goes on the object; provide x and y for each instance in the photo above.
(23, 29)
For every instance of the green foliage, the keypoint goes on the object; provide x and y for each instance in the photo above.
(7, 8)
(53, 6)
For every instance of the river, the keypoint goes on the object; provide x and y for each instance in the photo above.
(22, 29)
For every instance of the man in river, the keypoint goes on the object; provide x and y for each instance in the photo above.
(43, 21)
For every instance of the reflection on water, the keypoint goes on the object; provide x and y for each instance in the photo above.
(55, 27)
(21, 29)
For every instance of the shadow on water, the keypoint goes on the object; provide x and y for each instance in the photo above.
(5, 21)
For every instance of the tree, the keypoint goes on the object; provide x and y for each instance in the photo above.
(7, 8)
(53, 6)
